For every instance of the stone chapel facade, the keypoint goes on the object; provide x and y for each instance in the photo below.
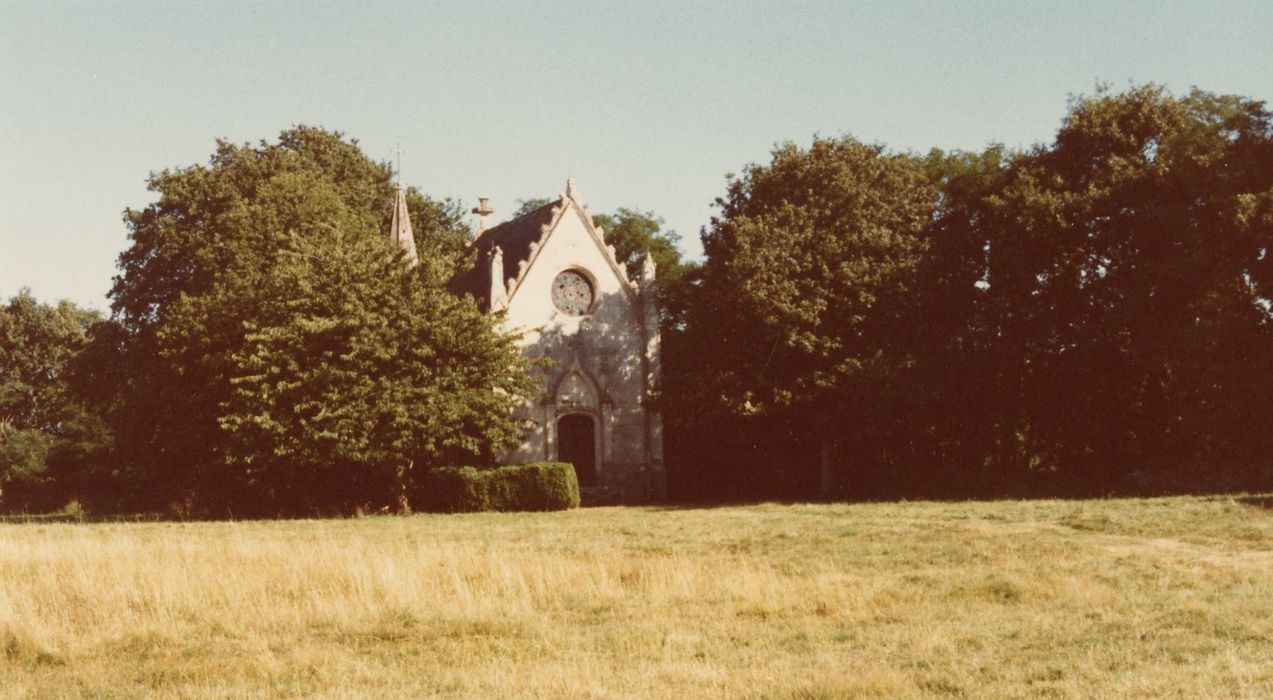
(554, 280)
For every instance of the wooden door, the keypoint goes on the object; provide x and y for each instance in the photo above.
(576, 443)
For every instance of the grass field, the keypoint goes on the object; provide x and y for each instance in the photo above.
(1139, 598)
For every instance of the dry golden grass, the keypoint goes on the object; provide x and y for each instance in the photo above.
(1139, 598)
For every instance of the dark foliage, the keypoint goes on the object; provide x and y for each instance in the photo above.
(49, 441)
(1089, 316)
(532, 487)
(270, 351)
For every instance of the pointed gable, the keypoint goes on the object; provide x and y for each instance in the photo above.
(518, 241)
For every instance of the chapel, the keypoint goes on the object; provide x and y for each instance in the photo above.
(552, 279)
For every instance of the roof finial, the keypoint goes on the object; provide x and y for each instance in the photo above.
(399, 172)
(647, 268)
(570, 187)
(483, 211)
(499, 294)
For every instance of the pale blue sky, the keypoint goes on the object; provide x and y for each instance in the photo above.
(649, 104)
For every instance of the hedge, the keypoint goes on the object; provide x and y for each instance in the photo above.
(535, 486)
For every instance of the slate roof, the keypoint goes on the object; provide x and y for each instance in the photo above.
(513, 238)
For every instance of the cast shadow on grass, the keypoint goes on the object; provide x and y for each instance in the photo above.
(1260, 501)
(1255, 495)
(1247, 486)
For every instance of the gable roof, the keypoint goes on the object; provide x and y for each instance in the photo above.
(514, 238)
(519, 240)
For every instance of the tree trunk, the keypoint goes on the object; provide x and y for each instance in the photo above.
(400, 488)
(827, 468)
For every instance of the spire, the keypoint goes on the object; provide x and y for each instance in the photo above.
(400, 226)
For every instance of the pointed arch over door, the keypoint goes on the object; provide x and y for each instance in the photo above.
(577, 444)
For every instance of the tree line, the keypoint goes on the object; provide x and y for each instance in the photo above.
(1087, 315)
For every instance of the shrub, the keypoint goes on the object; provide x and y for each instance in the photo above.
(535, 486)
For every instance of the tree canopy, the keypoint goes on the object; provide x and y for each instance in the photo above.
(1084, 313)
(43, 426)
(1125, 283)
(635, 233)
(352, 373)
(808, 264)
(275, 249)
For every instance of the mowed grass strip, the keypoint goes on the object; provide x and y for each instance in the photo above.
(1131, 598)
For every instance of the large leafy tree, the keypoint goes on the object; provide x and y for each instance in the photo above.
(42, 425)
(201, 282)
(1128, 284)
(959, 388)
(352, 373)
(808, 263)
(1097, 306)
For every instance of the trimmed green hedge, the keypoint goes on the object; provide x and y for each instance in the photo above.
(535, 486)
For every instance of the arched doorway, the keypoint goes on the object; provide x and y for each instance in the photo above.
(576, 443)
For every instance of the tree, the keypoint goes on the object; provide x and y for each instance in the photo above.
(526, 206)
(1126, 279)
(635, 233)
(1095, 307)
(42, 425)
(352, 373)
(201, 282)
(962, 395)
(807, 266)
